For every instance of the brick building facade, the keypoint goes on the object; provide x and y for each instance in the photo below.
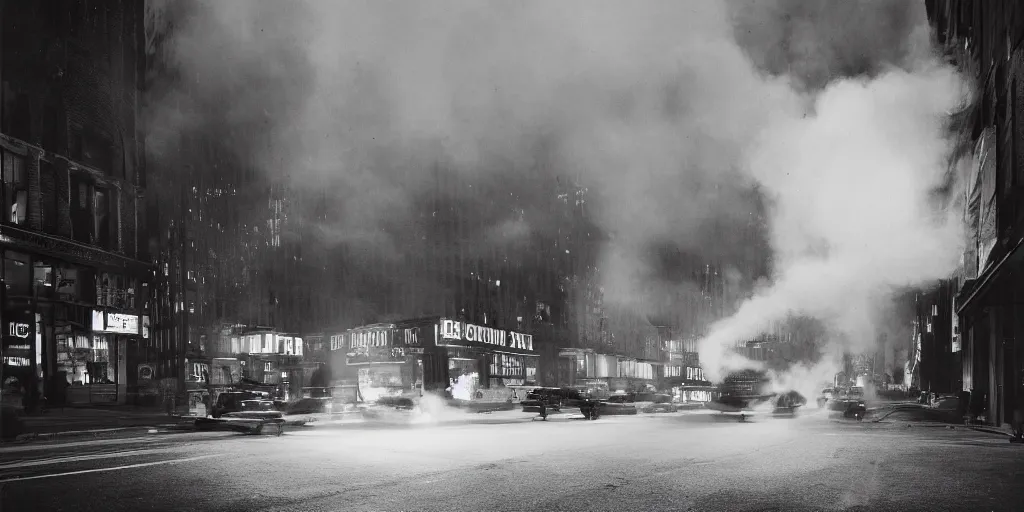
(75, 257)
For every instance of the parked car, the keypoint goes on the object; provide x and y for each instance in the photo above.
(853, 408)
(550, 398)
(556, 400)
(231, 401)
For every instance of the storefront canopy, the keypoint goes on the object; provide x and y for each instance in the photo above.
(973, 295)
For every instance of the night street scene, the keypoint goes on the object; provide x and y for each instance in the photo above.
(483, 255)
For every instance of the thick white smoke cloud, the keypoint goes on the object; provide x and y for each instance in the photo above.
(853, 218)
(668, 112)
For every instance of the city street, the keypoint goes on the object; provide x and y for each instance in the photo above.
(685, 461)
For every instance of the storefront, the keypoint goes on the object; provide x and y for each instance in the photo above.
(93, 364)
(614, 373)
(688, 384)
(69, 329)
(465, 361)
(483, 361)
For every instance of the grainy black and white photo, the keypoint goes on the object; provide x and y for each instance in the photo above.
(519, 255)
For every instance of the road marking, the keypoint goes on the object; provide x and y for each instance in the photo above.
(99, 470)
(38, 447)
(78, 458)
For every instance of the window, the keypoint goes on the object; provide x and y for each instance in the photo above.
(85, 361)
(101, 217)
(15, 185)
(82, 222)
(49, 191)
(92, 148)
(70, 281)
(17, 275)
(42, 279)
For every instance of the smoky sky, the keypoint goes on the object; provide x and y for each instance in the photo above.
(651, 107)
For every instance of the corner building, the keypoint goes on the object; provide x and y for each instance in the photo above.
(72, 177)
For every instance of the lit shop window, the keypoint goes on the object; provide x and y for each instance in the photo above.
(85, 361)
(463, 378)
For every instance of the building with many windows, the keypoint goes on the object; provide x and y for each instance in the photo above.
(971, 326)
(76, 268)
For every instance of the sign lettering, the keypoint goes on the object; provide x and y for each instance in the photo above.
(374, 338)
(412, 337)
(118, 323)
(18, 329)
(121, 323)
(370, 338)
(522, 341)
(454, 330)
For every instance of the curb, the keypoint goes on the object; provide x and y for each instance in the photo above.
(989, 430)
(50, 436)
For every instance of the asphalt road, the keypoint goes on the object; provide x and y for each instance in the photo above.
(659, 462)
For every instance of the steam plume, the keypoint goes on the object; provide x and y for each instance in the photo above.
(671, 114)
(852, 179)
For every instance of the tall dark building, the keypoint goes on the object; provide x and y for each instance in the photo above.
(981, 317)
(76, 267)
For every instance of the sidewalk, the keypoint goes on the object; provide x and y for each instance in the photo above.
(96, 420)
(924, 415)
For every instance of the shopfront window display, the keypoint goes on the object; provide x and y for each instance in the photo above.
(463, 378)
(84, 360)
(380, 381)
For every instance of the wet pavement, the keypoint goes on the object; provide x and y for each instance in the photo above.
(685, 461)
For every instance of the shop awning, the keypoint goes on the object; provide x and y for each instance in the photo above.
(981, 286)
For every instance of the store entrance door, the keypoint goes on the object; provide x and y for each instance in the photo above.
(435, 372)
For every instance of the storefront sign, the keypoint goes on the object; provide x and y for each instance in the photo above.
(382, 336)
(18, 329)
(266, 343)
(694, 373)
(454, 330)
(17, 361)
(122, 323)
(374, 338)
(115, 323)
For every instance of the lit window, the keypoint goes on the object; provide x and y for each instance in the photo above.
(15, 188)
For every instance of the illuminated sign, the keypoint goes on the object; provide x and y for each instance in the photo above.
(18, 329)
(122, 324)
(455, 330)
(375, 338)
(115, 323)
(694, 373)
